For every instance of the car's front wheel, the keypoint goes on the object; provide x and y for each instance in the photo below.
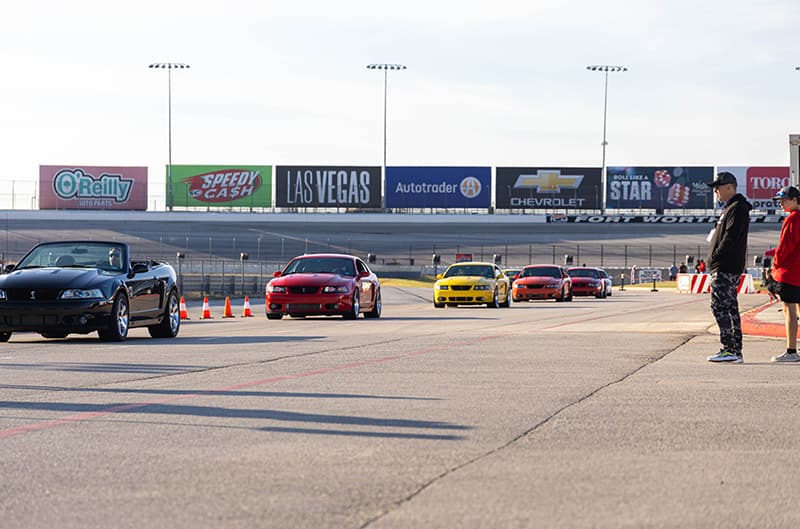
(376, 307)
(5, 336)
(495, 303)
(274, 315)
(117, 330)
(54, 334)
(355, 308)
(171, 321)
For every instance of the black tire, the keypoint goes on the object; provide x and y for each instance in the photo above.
(53, 334)
(569, 295)
(117, 330)
(561, 296)
(355, 308)
(5, 336)
(377, 307)
(274, 315)
(171, 322)
(507, 303)
(438, 305)
(495, 303)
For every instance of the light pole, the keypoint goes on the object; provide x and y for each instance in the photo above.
(169, 66)
(605, 69)
(385, 68)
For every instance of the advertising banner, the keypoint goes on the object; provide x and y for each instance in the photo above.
(327, 186)
(92, 187)
(438, 187)
(222, 185)
(659, 188)
(759, 184)
(548, 188)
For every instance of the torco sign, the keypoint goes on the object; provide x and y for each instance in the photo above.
(304, 186)
(221, 186)
(438, 187)
(759, 184)
(548, 187)
(89, 187)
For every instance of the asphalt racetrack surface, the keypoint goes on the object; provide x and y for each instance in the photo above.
(586, 414)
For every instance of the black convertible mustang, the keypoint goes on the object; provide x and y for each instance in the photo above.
(84, 286)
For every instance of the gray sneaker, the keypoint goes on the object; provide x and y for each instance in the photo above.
(726, 357)
(786, 357)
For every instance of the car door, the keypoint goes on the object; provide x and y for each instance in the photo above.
(366, 284)
(502, 283)
(144, 292)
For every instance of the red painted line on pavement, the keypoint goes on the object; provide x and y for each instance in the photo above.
(87, 416)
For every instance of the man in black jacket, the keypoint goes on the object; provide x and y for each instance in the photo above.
(726, 262)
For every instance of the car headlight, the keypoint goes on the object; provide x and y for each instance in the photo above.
(276, 289)
(79, 293)
(552, 285)
(482, 287)
(336, 290)
(443, 287)
(3, 295)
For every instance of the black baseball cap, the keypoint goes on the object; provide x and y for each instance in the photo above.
(723, 178)
(788, 192)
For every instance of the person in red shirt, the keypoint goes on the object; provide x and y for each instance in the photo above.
(786, 269)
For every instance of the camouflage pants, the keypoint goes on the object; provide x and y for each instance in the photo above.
(725, 307)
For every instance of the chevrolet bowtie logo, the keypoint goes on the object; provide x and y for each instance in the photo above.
(548, 181)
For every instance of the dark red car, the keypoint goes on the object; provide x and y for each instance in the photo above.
(542, 282)
(326, 285)
(588, 281)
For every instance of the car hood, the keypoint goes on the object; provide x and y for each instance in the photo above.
(537, 280)
(55, 278)
(464, 280)
(298, 280)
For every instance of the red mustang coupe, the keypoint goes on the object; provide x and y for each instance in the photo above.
(324, 284)
(589, 282)
(542, 282)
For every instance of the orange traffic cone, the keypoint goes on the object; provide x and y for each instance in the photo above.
(206, 311)
(228, 311)
(184, 313)
(247, 313)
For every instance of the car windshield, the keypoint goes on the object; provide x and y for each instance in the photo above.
(75, 255)
(470, 270)
(583, 272)
(321, 265)
(541, 271)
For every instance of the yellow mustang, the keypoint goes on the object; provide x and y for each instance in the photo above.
(472, 284)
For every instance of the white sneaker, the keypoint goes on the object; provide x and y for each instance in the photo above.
(786, 357)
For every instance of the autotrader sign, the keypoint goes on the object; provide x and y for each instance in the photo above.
(222, 185)
(548, 187)
(92, 187)
(438, 187)
(327, 186)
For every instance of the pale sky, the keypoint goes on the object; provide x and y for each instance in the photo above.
(488, 83)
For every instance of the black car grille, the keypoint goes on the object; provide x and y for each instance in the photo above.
(303, 290)
(460, 287)
(27, 294)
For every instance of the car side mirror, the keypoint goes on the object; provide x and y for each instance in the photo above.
(439, 276)
(7, 269)
(363, 273)
(276, 273)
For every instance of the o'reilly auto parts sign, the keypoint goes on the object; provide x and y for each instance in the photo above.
(327, 186)
(92, 187)
(548, 187)
(222, 185)
(438, 187)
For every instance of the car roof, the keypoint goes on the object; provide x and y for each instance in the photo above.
(340, 255)
(467, 263)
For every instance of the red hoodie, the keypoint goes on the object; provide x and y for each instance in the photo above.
(786, 264)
